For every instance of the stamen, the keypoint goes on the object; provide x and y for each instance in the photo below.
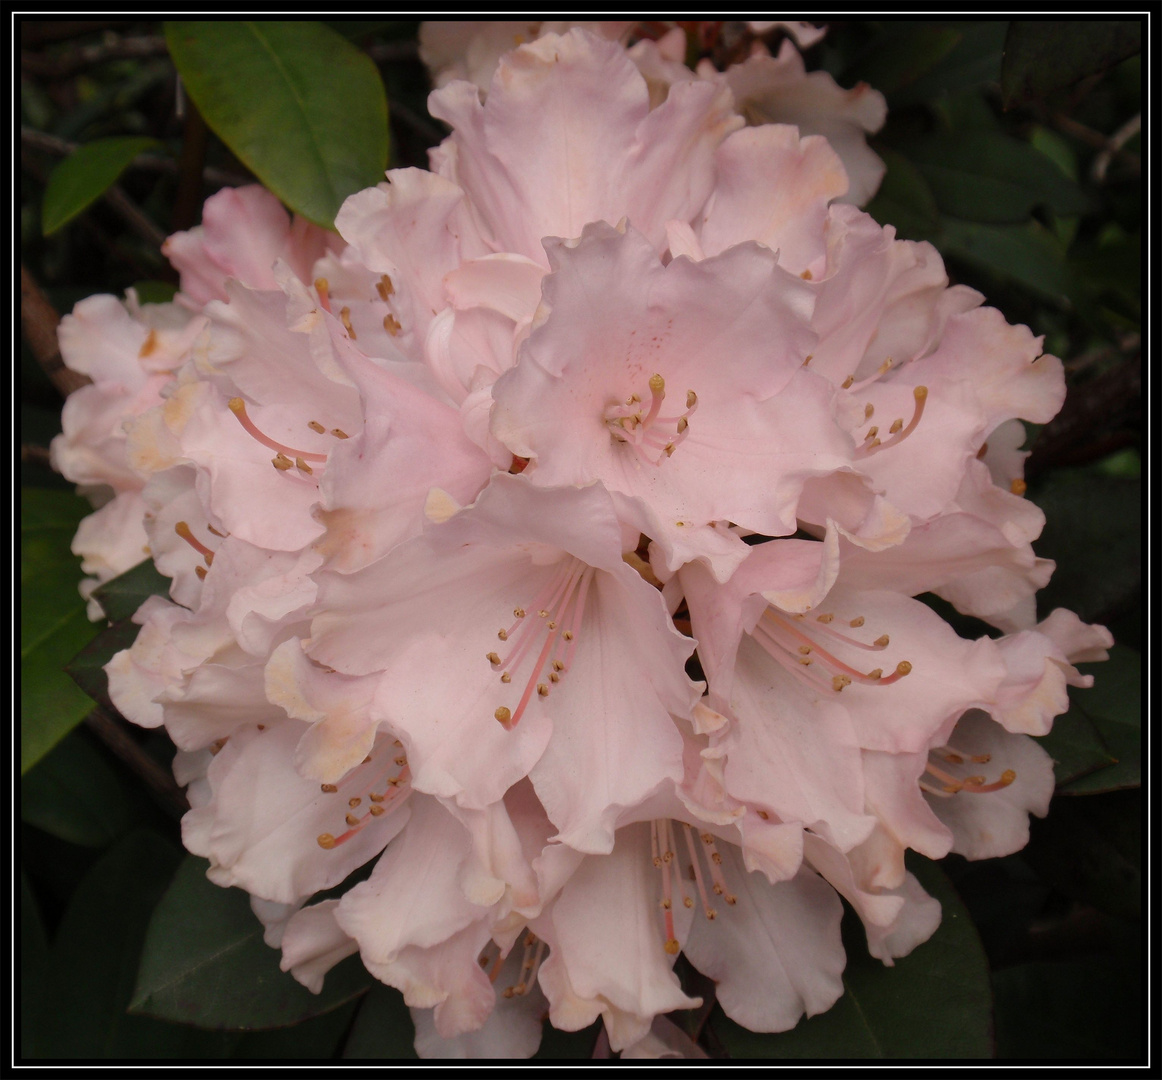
(392, 325)
(315, 426)
(183, 530)
(899, 434)
(1018, 486)
(238, 408)
(345, 318)
(201, 572)
(384, 287)
(323, 288)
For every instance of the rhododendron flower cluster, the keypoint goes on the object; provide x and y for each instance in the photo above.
(450, 506)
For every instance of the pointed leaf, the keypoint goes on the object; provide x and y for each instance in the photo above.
(85, 175)
(300, 106)
(1113, 706)
(205, 963)
(383, 1028)
(122, 596)
(53, 623)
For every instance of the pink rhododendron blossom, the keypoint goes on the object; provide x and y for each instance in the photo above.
(459, 511)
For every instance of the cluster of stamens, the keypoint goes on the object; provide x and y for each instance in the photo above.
(186, 533)
(945, 783)
(785, 638)
(556, 613)
(648, 432)
(492, 960)
(360, 784)
(662, 849)
(286, 457)
(898, 431)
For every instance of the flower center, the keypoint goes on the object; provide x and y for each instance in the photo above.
(897, 431)
(945, 763)
(286, 457)
(546, 640)
(360, 784)
(534, 953)
(652, 436)
(786, 639)
(662, 848)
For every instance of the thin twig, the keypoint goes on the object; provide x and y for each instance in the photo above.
(33, 453)
(1097, 140)
(50, 144)
(157, 779)
(132, 215)
(422, 126)
(1117, 140)
(390, 52)
(39, 319)
(62, 67)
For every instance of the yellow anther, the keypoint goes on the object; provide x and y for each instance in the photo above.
(375, 797)
(201, 572)
(666, 905)
(493, 659)
(558, 665)
(868, 410)
(345, 318)
(838, 682)
(384, 287)
(281, 462)
(325, 840)
(236, 405)
(502, 634)
(764, 815)
(903, 667)
(543, 613)
(401, 760)
(954, 759)
(805, 649)
(808, 358)
(688, 901)
(1018, 486)
(552, 624)
(805, 661)
(882, 641)
(692, 398)
(672, 947)
(339, 433)
(920, 393)
(897, 424)
(1008, 776)
(506, 678)
(668, 449)
(872, 432)
(328, 788)
(731, 899)
(847, 382)
(806, 275)
(711, 914)
(542, 690)
(657, 384)
(568, 635)
(554, 677)
(856, 622)
(825, 618)
(876, 673)
(392, 325)
(302, 466)
(503, 714)
(519, 612)
(314, 425)
(376, 810)
(982, 759)
(683, 424)
(354, 801)
(351, 820)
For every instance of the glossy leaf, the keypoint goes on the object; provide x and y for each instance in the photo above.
(991, 177)
(905, 200)
(121, 596)
(299, 105)
(1113, 705)
(903, 54)
(1075, 746)
(85, 175)
(53, 623)
(567, 1045)
(318, 1037)
(972, 62)
(1044, 56)
(383, 1028)
(205, 963)
(75, 795)
(1027, 255)
(933, 1004)
(87, 668)
(94, 956)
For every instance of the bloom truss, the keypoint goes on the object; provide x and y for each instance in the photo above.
(450, 504)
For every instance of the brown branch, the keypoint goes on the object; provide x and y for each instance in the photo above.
(32, 453)
(39, 320)
(188, 201)
(165, 791)
(63, 67)
(37, 32)
(132, 215)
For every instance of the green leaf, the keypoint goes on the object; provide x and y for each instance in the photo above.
(53, 623)
(383, 1028)
(301, 107)
(1044, 56)
(94, 957)
(155, 292)
(74, 795)
(973, 62)
(991, 177)
(85, 175)
(934, 1003)
(1027, 255)
(205, 963)
(87, 668)
(318, 1037)
(567, 1045)
(1114, 706)
(122, 596)
(1075, 746)
(904, 199)
(899, 57)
